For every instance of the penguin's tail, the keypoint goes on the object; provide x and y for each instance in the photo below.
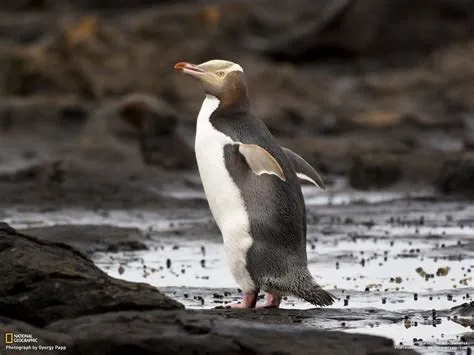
(311, 292)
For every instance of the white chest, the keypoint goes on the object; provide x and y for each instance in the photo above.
(223, 195)
(225, 200)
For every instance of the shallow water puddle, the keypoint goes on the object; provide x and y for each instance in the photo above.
(340, 194)
(196, 274)
(424, 336)
(344, 265)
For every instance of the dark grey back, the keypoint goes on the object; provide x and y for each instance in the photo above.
(276, 208)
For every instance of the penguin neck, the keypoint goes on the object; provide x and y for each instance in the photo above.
(235, 102)
(234, 95)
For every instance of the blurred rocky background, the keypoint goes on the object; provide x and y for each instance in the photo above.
(378, 91)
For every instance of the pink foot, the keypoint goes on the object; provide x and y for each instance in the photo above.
(271, 301)
(249, 301)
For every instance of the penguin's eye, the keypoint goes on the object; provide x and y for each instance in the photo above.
(220, 73)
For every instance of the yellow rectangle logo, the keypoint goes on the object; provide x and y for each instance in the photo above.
(8, 338)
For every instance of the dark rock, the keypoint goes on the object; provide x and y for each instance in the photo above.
(137, 130)
(169, 152)
(292, 30)
(45, 281)
(206, 229)
(156, 122)
(469, 143)
(445, 170)
(463, 310)
(68, 62)
(92, 238)
(375, 172)
(29, 28)
(456, 176)
(93, 184)
(293, 42)
(335, 153)
(191, 331)
(331, 27)
(392, 103)
(148, 113)
(60, 114)
(43, 172)
(44, 338)
(464, 315)
(4, 227)
(28, 5)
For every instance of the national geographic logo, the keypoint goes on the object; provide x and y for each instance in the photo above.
(27, 342)
(14, 338)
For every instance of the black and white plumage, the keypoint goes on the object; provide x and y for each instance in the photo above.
(252, 186)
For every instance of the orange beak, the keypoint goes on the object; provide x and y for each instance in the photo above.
(188, 67)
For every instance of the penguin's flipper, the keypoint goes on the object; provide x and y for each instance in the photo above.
(260, 161)
(304, 170)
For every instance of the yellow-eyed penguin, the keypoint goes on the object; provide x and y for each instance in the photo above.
(252, 186)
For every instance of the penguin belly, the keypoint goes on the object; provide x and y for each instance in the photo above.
(223, 195)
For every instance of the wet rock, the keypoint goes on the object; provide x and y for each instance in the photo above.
(344, 25)
(375, 172)
(23, 28)
(296, 31)
(205, 229)
(72, 61)
(44, 338)
(457, 176)
(188, 332)
(469, 143)
(46, 281)
(92, 238)
(136, 130)
(463, 310)
(444, 170)
(156, 122)
(28, 5)
(145, 112)
(336, 153)
(75, 57)
(53, 114)
(464, 315)
(339, 110)
(309, 33)
(42, 172)
(95, 184)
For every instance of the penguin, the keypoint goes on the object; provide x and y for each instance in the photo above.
(252, 185)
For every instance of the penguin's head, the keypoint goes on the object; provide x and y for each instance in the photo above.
(220, 78)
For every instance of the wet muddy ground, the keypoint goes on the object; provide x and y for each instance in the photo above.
(397, 262)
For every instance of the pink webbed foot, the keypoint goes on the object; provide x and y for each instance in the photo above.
(271, 301)
(248, 301)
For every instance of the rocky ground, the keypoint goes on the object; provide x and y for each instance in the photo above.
(96, 137)
(399, 265)
(57, 295)
(381, 101)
